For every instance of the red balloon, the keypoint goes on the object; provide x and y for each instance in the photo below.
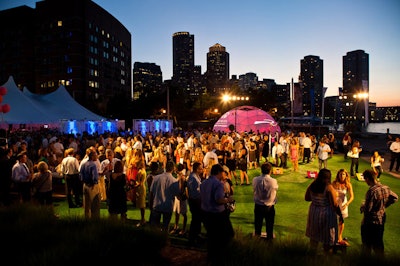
(5, 108)
(3, 90)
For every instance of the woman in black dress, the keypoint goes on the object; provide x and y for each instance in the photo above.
(242, 164)
(231, 162)
(117, 193)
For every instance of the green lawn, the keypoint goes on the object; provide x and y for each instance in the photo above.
(292, 209)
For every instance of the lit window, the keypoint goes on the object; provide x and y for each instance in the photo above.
(59, 23)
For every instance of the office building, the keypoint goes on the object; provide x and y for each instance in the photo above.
(312, 79)
(356, 86)
(147, 79)
(217, 69)
(183, 60)
(74, 43)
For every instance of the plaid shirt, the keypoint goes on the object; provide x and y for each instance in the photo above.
(377, 198)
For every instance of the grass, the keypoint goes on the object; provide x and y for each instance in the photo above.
(46, 240)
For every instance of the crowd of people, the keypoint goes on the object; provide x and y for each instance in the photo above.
(170, 172)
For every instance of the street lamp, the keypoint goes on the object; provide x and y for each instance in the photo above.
(226, 98)
(363, 96)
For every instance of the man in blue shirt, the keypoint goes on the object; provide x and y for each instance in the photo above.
(91, 190)
(217, 222)
(163, 190)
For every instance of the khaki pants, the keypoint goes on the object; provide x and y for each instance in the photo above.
(91, 201)
(102, 187)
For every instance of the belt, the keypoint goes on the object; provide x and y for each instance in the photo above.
(90, 184)
(265, 206)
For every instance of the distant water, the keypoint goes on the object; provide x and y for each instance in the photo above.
(394, 128)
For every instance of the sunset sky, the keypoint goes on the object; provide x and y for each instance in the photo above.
(269, 37)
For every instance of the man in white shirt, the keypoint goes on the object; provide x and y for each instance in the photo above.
(58, 147)
(22, 177)
(307, 148)
(277, 153)
(323, 151)
(395, 154)
(210, 158)
(70, 171)
(264, 189)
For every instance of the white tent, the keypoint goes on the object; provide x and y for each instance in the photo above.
(57, 108)
(62, 106)
(23, 110)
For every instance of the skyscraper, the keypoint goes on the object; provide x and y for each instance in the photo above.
(312, 78)
(147, 79)
(356, 85)
(217, 68)
(183, 59)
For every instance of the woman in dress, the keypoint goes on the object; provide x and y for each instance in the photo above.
(180, 202)
(242, 164)
(265, 148)
(141, 190)
(294, 153)
(344, 189)
(376, 164)
(322, 217)
(252, 154)
(116, 192)
(131, 172)
(231, 162)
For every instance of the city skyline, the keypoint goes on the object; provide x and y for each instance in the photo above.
(268, 38)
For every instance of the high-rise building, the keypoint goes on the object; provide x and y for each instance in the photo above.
(183, 59)
(74, 43)
(356, 86)
(147, 78)
(248, 81)
(217, 68)
(312, 78)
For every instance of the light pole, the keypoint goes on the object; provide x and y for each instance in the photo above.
(363, 96)
(226, 98)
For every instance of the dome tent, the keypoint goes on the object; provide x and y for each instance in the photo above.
(247, 118)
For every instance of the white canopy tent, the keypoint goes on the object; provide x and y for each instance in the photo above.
(56, 109)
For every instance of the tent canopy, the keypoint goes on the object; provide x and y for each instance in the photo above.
(29, 108)
(247, 118)
(62, 105)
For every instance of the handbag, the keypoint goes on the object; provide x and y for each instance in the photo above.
(230, 206)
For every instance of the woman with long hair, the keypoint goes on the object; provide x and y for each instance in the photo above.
(376, 164)
(116, 192)
(345, 196)
(294, 153)
(141, 190)
(322, 217)
(242, 164)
